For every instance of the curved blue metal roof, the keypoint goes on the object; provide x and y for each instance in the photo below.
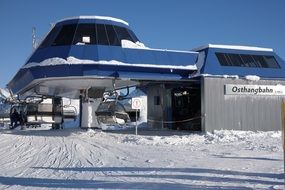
(102, 61)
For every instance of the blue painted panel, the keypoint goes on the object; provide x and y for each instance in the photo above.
(25, 76)
(118, 54)
(162, 58)
(96, 72)
(98, 52)
(147, 56)
(77, 51)
(22, 78)
(132, 56)
(56, 51)
(149, 76)
(56, 71)
(73, 70)
(38, 56)
(104, 53)
(90, 52)
(98, 69)
(211, 65)
(181, 58)
(108, 53)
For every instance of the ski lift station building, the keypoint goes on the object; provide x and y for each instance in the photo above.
(235, 87)
(207, 88)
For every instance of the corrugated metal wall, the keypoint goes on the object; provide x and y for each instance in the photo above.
(239, 112)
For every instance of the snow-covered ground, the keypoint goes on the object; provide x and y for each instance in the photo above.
(78, 159)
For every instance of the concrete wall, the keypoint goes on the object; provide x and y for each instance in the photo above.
(155, 113)
(239, 112)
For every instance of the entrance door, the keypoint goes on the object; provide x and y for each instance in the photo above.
(186, 106)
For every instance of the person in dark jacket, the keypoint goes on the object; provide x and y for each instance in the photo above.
(14, 118)
(22, 119)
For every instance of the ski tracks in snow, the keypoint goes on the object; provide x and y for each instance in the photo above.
(67, 159)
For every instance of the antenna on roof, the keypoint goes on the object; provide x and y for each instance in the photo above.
(34, 40)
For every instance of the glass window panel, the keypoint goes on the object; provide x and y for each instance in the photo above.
(112, 36)
(123, 34)
(222, 59)
(50, 37)
(244, 60)
(235, 59)
(271, 61)
(248, 61)
(134, 37)
(101, 34)
(65, 36)
(229, 61)
(85, 34)
(259, 61)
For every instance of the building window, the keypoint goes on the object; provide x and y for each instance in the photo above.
(65, 36)
(88, 33)
(245, 60)
(123, 34)
(85, 34)
(112, 36)
(156, 100)
(50, 37)
(134, 37)
(271, 61)
(102, 35)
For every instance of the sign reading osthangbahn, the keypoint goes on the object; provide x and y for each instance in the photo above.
(257, 90)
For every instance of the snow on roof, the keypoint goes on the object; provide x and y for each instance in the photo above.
(251, 48)
(96, 17)
(73, 60)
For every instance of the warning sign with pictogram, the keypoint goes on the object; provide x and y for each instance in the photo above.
(136, 103)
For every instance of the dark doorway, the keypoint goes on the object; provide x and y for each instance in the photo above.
(174, 105)
(186, 108)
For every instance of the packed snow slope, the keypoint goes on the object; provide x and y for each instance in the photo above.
(78, 159)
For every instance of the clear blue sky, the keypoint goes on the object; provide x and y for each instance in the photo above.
(166, 24)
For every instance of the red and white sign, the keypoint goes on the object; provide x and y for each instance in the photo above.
(136, 103)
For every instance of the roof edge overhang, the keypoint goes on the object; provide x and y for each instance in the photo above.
(96, 18)
(233, 47)
(237, 77)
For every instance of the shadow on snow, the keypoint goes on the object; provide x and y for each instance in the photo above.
(92, 184)
(226, 176)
